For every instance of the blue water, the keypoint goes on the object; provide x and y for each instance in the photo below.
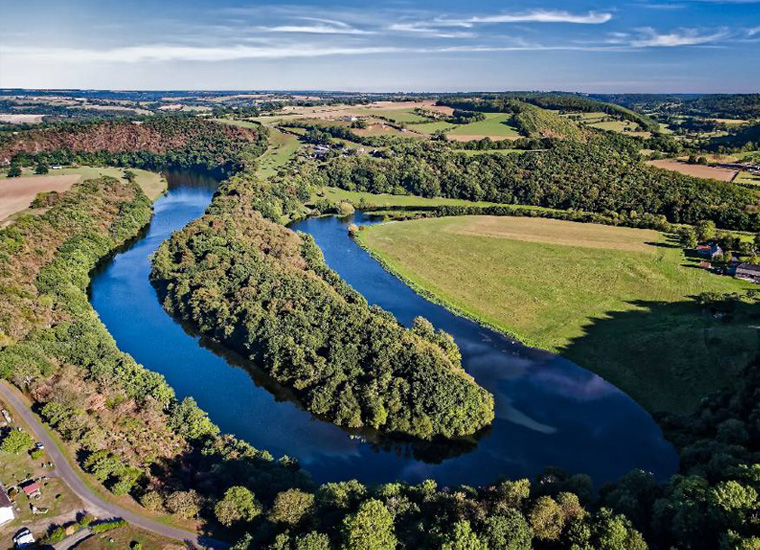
(549, 412)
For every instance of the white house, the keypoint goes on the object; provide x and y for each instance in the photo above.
(6, 507)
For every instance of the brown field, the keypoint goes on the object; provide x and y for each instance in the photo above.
(21, 119)
(17, 193)
(336, 111)
(731, 121)
(696, 170)
(548, 231)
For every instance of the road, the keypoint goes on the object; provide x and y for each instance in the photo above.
(94, 503)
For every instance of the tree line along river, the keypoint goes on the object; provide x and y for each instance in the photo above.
(549, 411)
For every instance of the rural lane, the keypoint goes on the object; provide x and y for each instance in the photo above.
(94, 503)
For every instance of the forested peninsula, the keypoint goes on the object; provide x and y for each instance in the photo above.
(267, 293)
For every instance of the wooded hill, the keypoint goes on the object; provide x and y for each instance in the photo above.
(602, 175)
(506, 103)
(183, 141)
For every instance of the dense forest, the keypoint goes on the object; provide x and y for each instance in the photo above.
(603, 175)
(266, 292)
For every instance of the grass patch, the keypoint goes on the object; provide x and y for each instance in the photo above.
(475, 152)
(496, 125)
(615, 300)
(389, 201)
(281, 149)
(747, 178)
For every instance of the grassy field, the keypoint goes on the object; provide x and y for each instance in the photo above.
(475, 152)
(281, 149)
(747, 178)
(384, 201)
(430, 127)
(495, 126)
(396, 115)
(123, 537)
(16, 194)
(614, 300)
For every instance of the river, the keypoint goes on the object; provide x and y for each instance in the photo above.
(549, 411)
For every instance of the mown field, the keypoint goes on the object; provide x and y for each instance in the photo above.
(385, 201)
(615, 300)
(16, 194)
(495, 126)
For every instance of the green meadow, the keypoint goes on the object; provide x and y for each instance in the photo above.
(618, 301)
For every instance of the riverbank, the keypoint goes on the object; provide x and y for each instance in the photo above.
(610, 305)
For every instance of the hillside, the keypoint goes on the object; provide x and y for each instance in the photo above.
(193, 141)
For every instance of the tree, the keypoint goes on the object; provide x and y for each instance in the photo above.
(730, 502)
(462, 538)
(238, 504)
(615, 532)
(14, 171)
(130, 176)
(509, 531)
(705, 230)
(190, 421)
(185, 504)
(688, 237)
(312, 541)
(16, 442)
(546, 518)
(370, 528)
(41, 168)
(291, 507)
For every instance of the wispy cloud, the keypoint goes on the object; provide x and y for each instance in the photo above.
(649, 38)
(532, 16)
(318, 26)
(168, 52)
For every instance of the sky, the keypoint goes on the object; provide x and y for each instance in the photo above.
(601, 46)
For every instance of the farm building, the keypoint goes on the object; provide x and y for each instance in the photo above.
(6, 507)
(32, 489)
(709, 250)
(748, 272)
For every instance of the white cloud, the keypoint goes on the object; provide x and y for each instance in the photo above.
(533, 16)
(169, 52)
(649, 38)
(423, 30)
(321, 26)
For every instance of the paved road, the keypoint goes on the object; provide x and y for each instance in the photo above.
(94, 503)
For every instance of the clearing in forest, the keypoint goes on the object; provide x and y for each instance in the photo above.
(696, 170)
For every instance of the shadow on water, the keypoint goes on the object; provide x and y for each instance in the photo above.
(549, 412)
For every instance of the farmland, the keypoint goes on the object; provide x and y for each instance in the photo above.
(495, 126)
(696, 170)
(16, 194)
(611, 299)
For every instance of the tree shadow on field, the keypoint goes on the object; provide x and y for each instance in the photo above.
(668, 356)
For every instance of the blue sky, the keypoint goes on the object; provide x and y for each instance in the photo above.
(357, 45)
